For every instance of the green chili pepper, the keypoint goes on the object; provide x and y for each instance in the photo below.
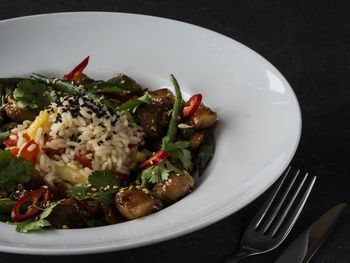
(206, 151)
(176, 113)
(59, 84)
(70, 88)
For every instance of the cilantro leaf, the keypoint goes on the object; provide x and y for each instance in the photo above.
(133, 104)
(32, 225)
(104, 185)
(178, 150)
(34, 95)
(3, 136)
(13, 171)
(158, 173)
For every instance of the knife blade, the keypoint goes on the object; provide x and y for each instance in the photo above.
(304, 246)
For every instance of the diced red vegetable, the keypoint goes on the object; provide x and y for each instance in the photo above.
(84, 161)
(30, 151)
(192, 105)
(155, 159)
(14, 151)
(88, 208)
(77, 70)
(36, 198)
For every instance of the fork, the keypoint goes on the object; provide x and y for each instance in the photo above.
(267, 231)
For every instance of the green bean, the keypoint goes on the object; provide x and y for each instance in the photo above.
(6, 206)
(206, 151)
(59, 84)
(176, 113)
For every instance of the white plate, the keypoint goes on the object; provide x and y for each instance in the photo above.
(257, 135)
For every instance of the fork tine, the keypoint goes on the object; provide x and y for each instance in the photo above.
(263, 210)
(280, 203)
(286, 210)
(293, 218)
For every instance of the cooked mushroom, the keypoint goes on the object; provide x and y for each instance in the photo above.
(70, 213)
(112, 215)
(174, 188)
(203, 118)
(197, 139)
(134, 203)
(15, 113)
(154, 119)
(162, 96)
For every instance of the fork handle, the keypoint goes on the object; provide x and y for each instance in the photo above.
(241, 254)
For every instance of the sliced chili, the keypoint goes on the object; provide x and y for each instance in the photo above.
(35, 206)
(77, 70)
(88, 208)
(155, 159)
(192, 105)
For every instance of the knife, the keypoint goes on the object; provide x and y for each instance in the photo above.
(304, 247)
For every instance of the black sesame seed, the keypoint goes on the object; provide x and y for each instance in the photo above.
(78, 141)
(114, 132)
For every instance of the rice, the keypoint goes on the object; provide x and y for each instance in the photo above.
(79, 126)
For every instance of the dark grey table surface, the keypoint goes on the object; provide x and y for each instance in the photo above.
(308, 41)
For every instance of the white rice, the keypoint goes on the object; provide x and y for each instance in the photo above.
(81, 127)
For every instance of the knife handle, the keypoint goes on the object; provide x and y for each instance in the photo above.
(241, 254)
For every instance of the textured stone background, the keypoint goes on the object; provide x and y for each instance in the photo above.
(308, 41)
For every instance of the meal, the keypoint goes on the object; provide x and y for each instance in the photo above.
(78, 152)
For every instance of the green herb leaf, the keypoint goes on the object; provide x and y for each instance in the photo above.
(158, 173)
(178, 150)
(32, 225)
(122, 82)
(133, 104)
(3, 136)
(13, 171)
(98, 180)
(33, 94)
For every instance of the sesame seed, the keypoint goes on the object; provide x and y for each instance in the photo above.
(65, 227)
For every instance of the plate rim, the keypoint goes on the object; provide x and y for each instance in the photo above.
(110, 246)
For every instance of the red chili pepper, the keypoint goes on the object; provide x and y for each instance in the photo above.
(88, 208)
(155, 159)
(34, 208)
(77, 70)
(84, 161)
(192, 105)
(30, 152)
